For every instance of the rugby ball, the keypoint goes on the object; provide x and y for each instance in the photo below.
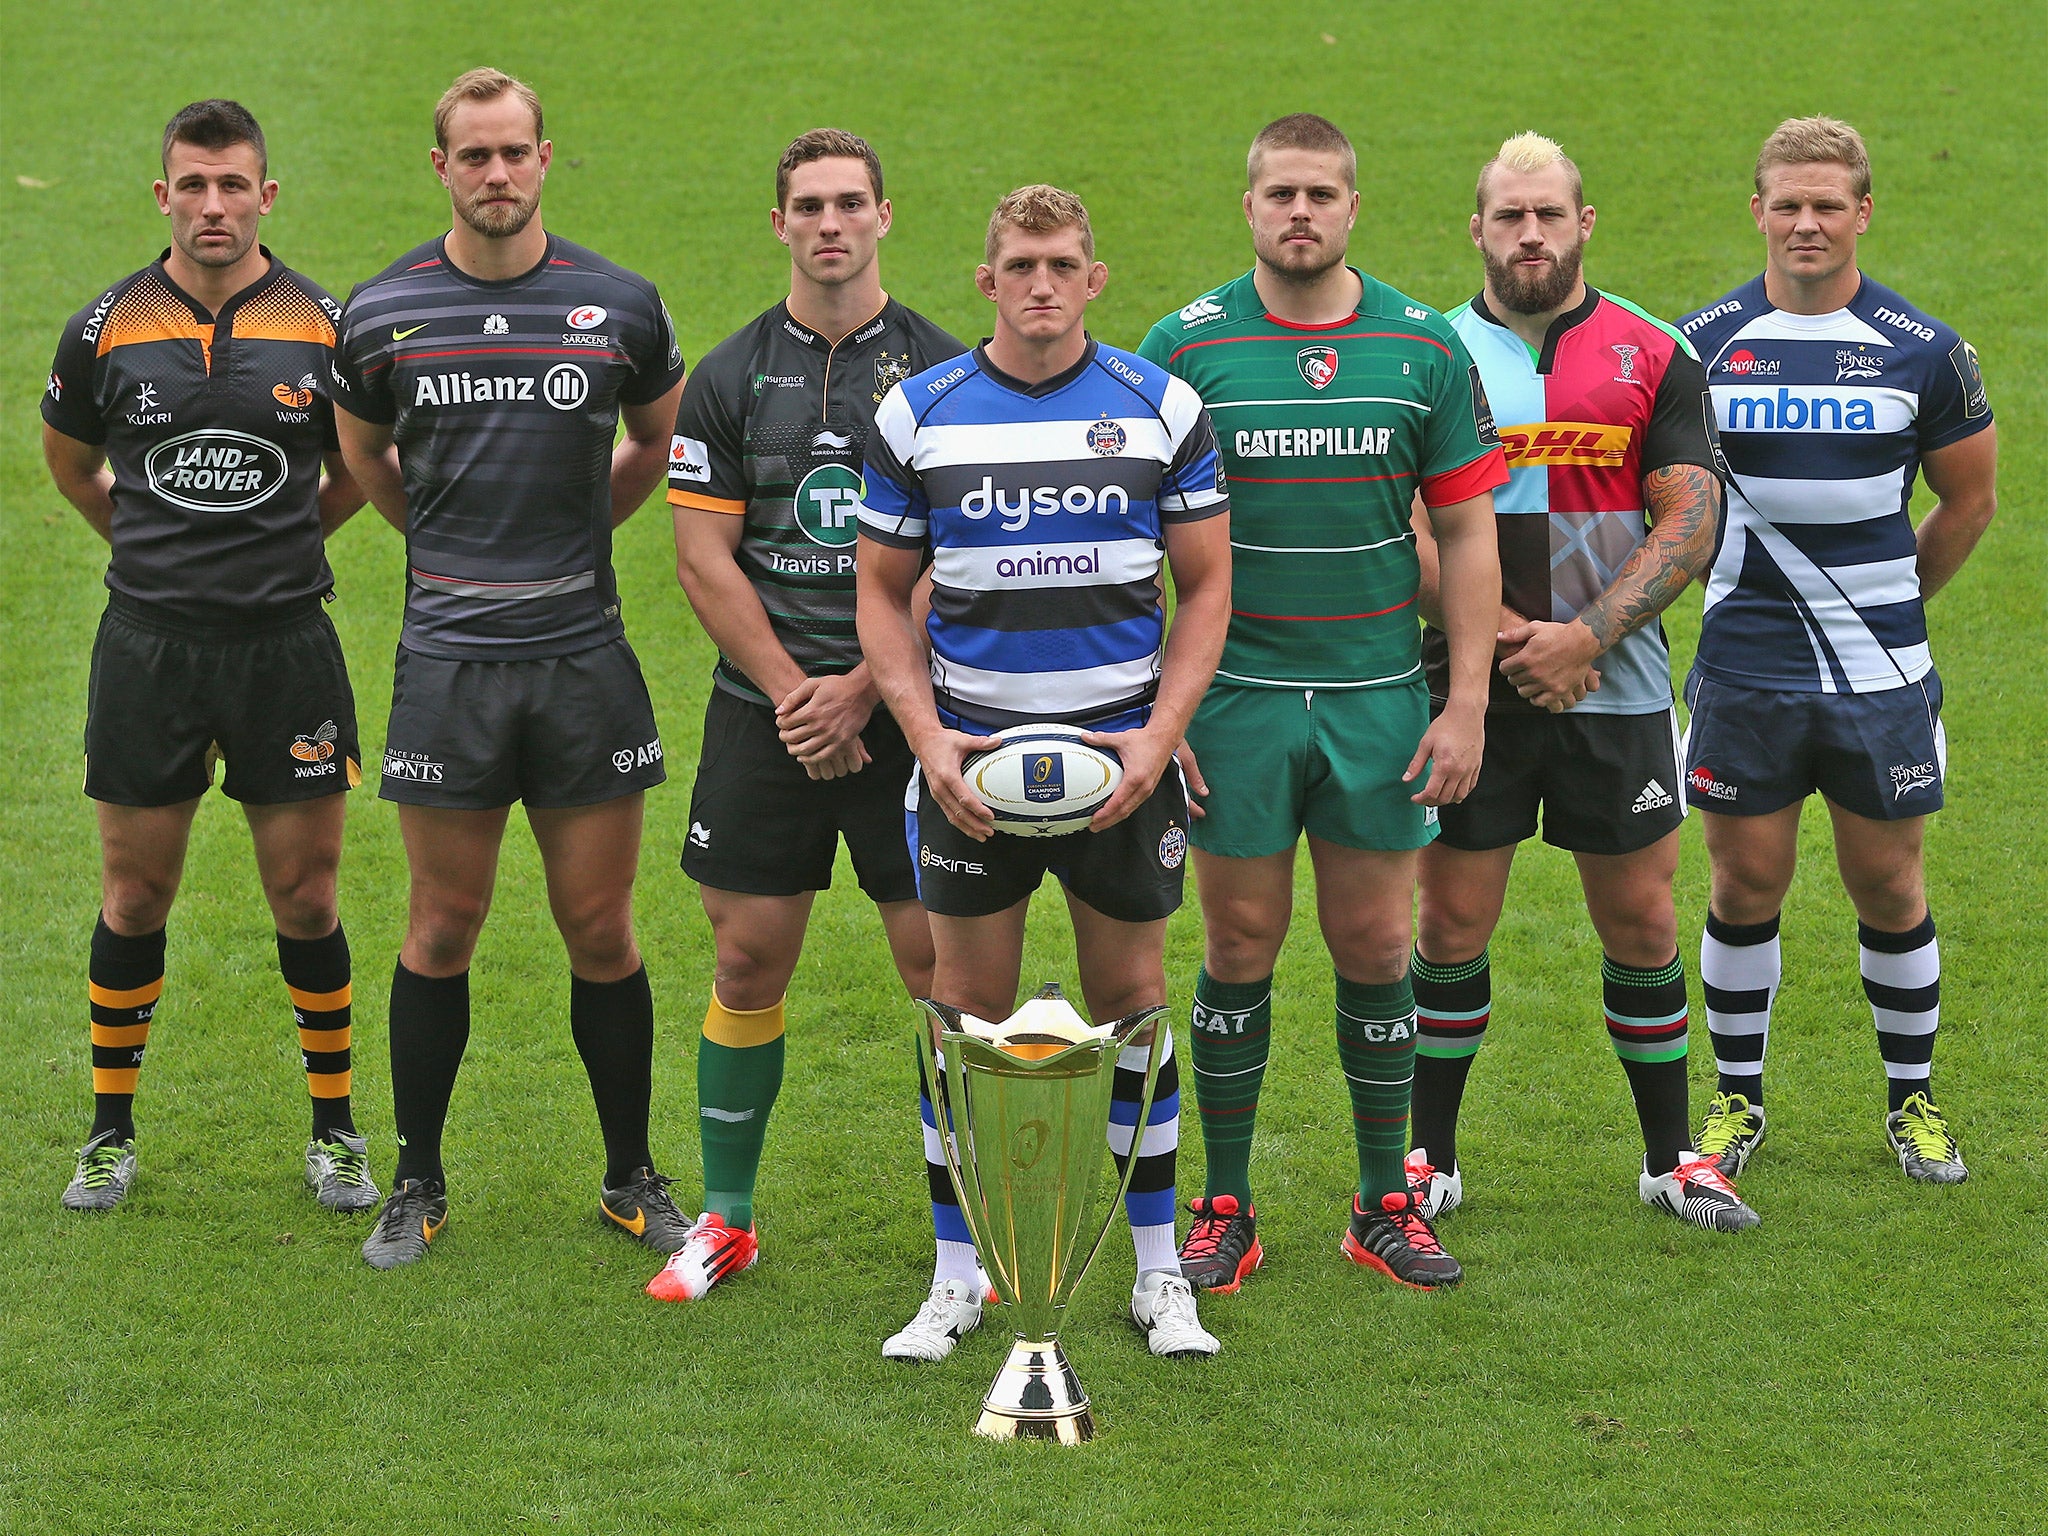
(1044, 780)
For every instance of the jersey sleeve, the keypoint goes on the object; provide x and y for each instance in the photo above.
(1461, 446)
(1157, 347)
(707, 465)
(893, 507)
(1681, 428)
(361, 370)
(1193, 486)
(68, 402)
(1953, 405)
(656, 355)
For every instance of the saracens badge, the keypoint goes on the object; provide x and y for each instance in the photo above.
(1107, 438)
(1318, 365)
(889, 372)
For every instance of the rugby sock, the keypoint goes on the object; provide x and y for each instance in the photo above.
(1452, 1005)
(955, 1259)
(1902, 979)
(429, 1033)
(612, 1023)
(1376, 1049)
(124, 980)
(1646, 1022)
(1230, 1035)
(1739, 970)
(1149, 1203)
(316, 974)
(739, 1073)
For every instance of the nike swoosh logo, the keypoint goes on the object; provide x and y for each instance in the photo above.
(398, 335)
(429, 1228)
(637, 1226)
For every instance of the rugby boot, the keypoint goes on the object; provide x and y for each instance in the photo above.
(1731, 1133)
(642, 1209)
(1696, 1191)
(1222, 1247)
(412, 1217)
(1440, 1193)
(1397, 1241)
(1163, 1308)
(711, 1252)
(338, 1172)
(1919, 1133)
(106, 1167)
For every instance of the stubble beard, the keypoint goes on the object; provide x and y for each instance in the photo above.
(500, 221)
(221, 256)
(1535, 296)
(1304, 268)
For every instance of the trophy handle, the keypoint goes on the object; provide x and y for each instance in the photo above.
(1121, 1031)
(972, 1209)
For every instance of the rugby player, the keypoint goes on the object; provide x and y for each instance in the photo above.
(1612, 506)
(1813, 672)
(1119, 461)
(187, 418)
(481, 378)
(764, 477)
(1338, 401)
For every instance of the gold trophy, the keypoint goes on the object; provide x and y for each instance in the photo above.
(1026, 1103)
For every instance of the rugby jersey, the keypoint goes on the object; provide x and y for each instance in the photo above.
(214, 426)
(1824, 419)
(503, 399)
(1327, 434)
(772, 429)
(1612, 395)
(1044, 508)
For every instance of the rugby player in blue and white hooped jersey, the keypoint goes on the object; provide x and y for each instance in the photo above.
(1049, 479)
(1813, 671)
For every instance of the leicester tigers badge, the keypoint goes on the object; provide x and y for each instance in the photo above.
(1318, 365)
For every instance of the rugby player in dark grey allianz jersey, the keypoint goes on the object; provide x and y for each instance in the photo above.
(480, 380)
(765, 483)
(187, 419)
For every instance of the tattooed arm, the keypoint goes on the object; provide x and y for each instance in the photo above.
(1684, 502)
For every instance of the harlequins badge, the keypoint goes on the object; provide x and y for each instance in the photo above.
(1106, 438)
(889, 372)
(1318, 365)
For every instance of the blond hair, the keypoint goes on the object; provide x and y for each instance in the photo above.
(485, 84)
(1039, 210)
(1302, 130)
(1816, 141)
(1527, 153)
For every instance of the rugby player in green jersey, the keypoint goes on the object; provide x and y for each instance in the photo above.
(1337, 403)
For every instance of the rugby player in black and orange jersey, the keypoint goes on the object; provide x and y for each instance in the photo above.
(480, 382)
(187, 419)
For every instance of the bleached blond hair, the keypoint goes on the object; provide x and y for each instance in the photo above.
(1816, 141)
(1039, 210)
(1529, 153)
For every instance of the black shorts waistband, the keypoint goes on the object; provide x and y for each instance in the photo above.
(224, 624)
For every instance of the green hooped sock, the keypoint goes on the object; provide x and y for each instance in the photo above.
(1230, 1035)
(1376, 1048)
(736, 1088)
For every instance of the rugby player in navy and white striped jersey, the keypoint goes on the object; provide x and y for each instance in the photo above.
(1813, 672)
(479, 384)
(1050, 479)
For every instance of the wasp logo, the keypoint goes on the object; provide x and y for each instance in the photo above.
(318, 747)
(294, 399)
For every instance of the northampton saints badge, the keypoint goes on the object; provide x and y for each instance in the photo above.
(889, 372)
(1318, 365)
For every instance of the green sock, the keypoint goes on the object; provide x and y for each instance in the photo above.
(739, 1072)
(1376, 1048)
(1231, 1035)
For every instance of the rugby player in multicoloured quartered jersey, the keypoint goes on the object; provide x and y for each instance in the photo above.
(1813, 672)
(1612, 508)
(764, 479)
(1337, 402)
(1052, 483)
(480, 381)
(187, 418)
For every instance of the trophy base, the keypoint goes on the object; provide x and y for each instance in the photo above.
(1036, 1396)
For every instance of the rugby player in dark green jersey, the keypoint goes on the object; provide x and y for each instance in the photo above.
(1337, 403)
(764, 480)
(187, 418)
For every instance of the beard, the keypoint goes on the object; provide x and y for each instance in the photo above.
(500, 220)
(1295, 264)
(238, 246)
(1527, 295)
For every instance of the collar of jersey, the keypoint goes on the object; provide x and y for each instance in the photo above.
(804, 336)
(494, 284)
(1043, 387)
(234, 300)
(1578, 314)
(1805, 322)
(1367, 304)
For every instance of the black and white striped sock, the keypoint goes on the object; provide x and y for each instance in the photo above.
(1902, 979)
(1739, 968)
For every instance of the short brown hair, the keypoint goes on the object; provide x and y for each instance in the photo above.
(1039, 210)
(1302, 130)
(1816, 141)
(1528, 153)
(485, 84)
(826, 144)
(215, 124)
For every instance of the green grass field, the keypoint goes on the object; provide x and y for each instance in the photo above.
(213, 1357)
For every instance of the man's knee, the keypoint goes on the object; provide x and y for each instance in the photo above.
(1241, 937)
(137, 902)
(303, 902)
(1452, 926)
(442, 931)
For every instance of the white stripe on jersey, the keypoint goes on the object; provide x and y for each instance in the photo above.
(1880, 582)
(1030, 442)
(1819, 501)
(1045, 693)
(1781, 325)
(1116, 561)
(1863, 659)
